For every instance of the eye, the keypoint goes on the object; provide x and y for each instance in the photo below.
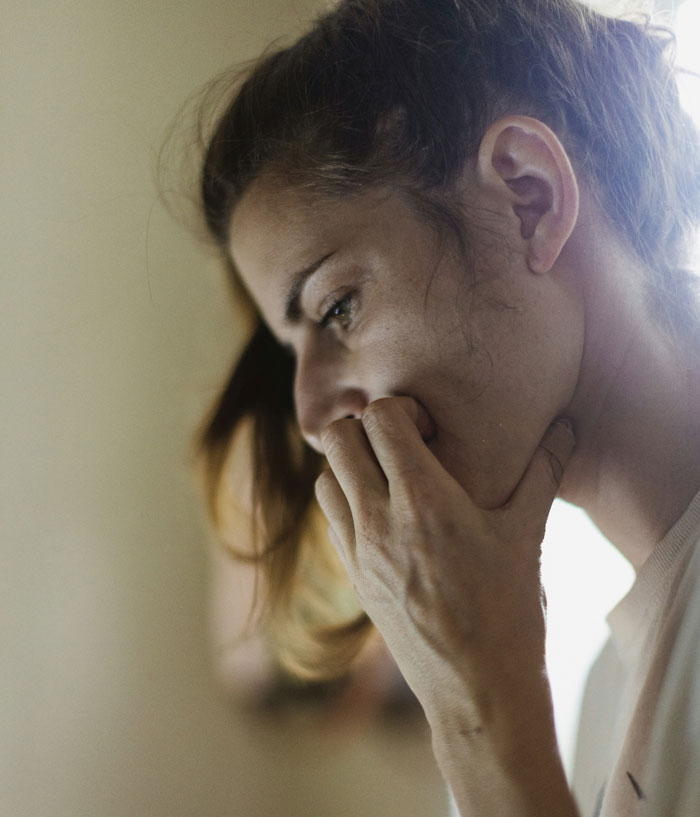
(340, 312)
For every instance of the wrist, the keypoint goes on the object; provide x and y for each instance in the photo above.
(502, 759)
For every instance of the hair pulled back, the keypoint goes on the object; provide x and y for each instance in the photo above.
(400, 92)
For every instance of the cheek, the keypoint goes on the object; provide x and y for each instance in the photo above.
(442, 372)
(493, 372)
(494, 392)
(430, 356)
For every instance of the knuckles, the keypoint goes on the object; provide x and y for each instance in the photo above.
(335, 436)
(378, 413)
(417, 500)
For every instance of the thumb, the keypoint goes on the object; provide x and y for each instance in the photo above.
(539, 486)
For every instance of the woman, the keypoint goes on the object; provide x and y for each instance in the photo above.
(464, 226)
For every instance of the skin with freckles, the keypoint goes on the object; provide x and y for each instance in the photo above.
(492, 352)
(435, 386)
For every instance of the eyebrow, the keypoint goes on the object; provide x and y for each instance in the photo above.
(292, 308)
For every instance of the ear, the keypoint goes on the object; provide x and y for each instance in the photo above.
(522, 163)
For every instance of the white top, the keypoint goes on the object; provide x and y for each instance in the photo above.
(646, 682)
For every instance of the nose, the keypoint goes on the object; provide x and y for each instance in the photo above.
(324, 392)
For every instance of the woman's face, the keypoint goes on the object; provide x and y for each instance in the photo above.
(374, 305)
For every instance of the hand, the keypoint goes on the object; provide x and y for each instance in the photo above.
(454, 589)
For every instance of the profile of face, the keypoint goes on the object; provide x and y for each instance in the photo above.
(374, 304)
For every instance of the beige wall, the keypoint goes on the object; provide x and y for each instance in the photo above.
(114, 332)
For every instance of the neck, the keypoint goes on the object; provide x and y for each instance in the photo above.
(637, 417)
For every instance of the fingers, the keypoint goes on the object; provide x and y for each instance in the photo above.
(385, 455)
(540, 484)
(398, 429)
(336, 508)
(352, 460)
(363, 456)
(351, 488)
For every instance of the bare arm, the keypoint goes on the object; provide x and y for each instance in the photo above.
(455, 591)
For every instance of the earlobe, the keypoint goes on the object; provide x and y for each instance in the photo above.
(524, 165)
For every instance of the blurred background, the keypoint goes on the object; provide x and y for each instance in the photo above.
(116, 330)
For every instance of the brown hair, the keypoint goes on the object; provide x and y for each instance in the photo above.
(400, 92)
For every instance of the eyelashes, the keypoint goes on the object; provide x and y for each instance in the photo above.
(339, 313)
(338, 317)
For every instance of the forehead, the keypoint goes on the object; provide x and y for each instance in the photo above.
(271, 226)
(277, 231)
